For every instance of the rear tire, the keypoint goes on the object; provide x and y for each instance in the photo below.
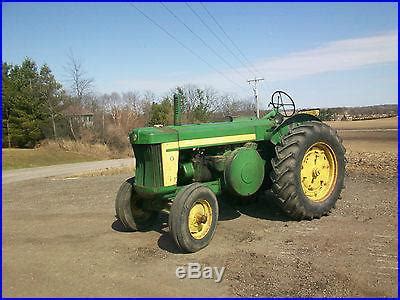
(128, 208)
(193, 217)
(311, 147)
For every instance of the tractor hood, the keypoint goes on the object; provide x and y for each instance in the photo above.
(153, 135)
(210, 131)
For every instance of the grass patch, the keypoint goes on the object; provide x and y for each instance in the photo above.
(54, 153)
(28, 158)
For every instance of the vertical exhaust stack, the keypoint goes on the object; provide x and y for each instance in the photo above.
(177, 109)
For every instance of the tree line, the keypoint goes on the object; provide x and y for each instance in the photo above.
(36, 106)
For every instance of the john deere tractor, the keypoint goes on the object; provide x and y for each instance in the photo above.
(185, 169)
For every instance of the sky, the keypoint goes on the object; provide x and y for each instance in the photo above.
(322, 54)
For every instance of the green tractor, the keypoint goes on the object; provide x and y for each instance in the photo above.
(184, 169)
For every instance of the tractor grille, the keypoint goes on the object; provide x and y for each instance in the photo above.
(148, 165)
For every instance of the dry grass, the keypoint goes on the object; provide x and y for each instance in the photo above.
(55, 152)
(97, 150)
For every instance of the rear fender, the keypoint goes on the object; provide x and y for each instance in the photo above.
(283, 128)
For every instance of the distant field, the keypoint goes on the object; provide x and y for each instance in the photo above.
(27, 158)
(386, 123)
(378, 135)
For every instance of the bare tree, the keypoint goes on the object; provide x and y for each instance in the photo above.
(103, 101)
(115, 107)
(71, 127)
(132, 107)
(232, 106)
(80, 85)
(149, 96)
(199, 104)
(132, 100)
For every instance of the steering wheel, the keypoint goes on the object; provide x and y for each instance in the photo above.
(282, 102)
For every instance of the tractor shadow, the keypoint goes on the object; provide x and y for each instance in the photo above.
(118, 226)
(165, 241)
(263, 207)
(159, 226)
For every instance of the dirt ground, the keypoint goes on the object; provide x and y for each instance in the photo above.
(60, 238)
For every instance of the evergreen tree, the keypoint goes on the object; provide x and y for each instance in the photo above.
(51, 94)
(30, 98)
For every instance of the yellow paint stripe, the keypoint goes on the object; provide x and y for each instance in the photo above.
(170, 163)
(217, 140)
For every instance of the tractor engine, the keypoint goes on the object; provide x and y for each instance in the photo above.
(240, 169)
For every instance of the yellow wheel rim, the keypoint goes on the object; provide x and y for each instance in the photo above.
(200, 219)
(318, 172)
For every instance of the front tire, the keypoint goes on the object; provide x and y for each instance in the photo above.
(193, 217)
(128, 208)
(308, 170)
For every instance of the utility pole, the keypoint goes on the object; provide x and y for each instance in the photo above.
(254, 82)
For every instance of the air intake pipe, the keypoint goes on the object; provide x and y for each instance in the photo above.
(177, 109)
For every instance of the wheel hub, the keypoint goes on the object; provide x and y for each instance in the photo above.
(318, 172)
(200, 219)
(315, 172)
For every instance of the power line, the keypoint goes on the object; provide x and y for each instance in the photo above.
(233, 43)
(201, 39)
(182, 44)
(219, 39)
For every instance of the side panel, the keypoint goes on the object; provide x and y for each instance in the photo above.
(170, 158)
